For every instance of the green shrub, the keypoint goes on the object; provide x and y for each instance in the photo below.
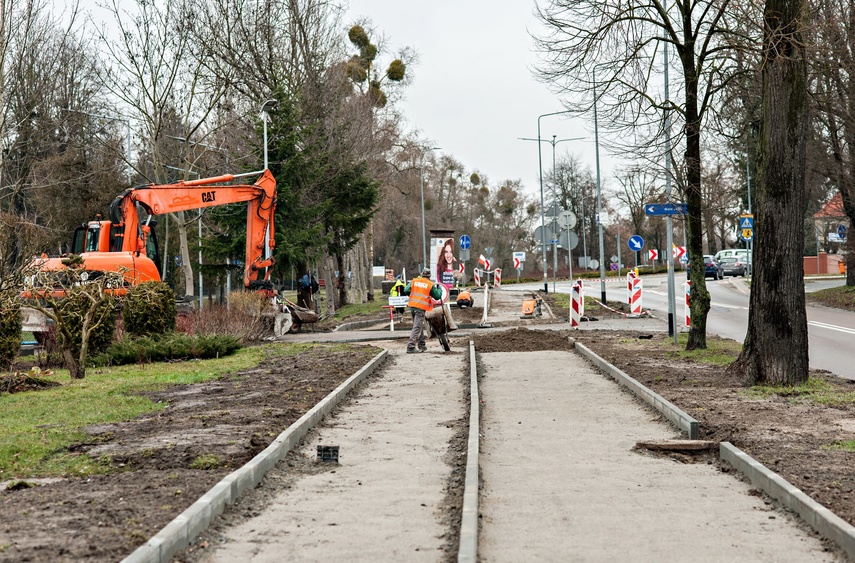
(73, 311)
(149, 308)
(10, 329)
(166, 347)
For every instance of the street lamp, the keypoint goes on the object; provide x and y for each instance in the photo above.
(542, 210)
(422, 185)
(127, 123)
(599, 197)
(265, 109)
(553, 142)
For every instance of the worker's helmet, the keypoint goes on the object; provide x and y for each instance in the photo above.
(426, 273)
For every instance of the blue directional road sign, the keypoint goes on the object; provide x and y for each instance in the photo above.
(666, 209)
(841, 231)
(635, 243)
(465, 242)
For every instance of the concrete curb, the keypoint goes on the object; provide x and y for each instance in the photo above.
(816, 515)
(356, 325)
(677, 417)
(468, 549)
(178, 534)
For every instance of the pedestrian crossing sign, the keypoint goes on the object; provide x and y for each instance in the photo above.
(746, 221)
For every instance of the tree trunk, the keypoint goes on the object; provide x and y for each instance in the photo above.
(186, 267)
(329, 281)
(699, 295)
(342, 280)
(76, 370)
(776, 344)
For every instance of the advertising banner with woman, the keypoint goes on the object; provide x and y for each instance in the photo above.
(442, 255)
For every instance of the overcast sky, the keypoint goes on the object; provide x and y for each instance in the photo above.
(473, 92)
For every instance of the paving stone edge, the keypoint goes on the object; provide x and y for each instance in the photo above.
(178, 534)
(816, 515)
(813, 513)
(670, 411)
(468, 550)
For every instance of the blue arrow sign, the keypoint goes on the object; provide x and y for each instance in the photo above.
(841, 231)
(465, 242)
(635, 243)
(666, 209)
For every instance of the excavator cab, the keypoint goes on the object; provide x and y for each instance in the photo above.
(105, 236)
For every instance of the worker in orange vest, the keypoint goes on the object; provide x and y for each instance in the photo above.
(420, 290)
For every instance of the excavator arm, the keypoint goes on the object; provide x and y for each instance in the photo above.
(158, 199)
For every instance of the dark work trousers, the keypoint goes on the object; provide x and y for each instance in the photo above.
(417, 335)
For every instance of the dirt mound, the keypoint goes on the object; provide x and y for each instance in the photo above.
(522, 340)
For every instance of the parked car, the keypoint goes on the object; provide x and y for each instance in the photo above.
(737, 252)
(734, 266)
(712, 269)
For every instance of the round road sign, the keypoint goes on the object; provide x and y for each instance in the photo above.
(567, 220)
(568, 240)
(465, 242)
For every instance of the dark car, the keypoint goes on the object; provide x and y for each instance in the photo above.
(734, 266)
(712, 269)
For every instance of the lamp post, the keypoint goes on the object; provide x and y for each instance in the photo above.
(553, 142)
(265, 109)
(599, 197)
(127, 123)
(422, 185)
(542, 210)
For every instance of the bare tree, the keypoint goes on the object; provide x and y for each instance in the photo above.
(776, 344)
(833, 62)
(610, 52)
(637, 187)
(77, 303)
(158, 73)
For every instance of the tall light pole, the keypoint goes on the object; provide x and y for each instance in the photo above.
(422, 185)
(669, 222)
(553, 142)
(599, 196)
(542, 210)
(127, 123)
(265, 110)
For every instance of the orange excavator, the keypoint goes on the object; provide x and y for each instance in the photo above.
(128, 243)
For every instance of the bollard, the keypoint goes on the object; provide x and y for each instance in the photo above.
(688, 308)
(630, 275)
(635, 300)
(581, 298)
(575, 309)
(391, 317)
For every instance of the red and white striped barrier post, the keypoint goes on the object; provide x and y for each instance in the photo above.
(581, 297)
(497, 277)
(575, 307)
(688, 308)
(635, 298)
(630, 275)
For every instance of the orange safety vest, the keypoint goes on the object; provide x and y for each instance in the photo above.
(420, 294)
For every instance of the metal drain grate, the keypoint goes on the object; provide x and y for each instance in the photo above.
(328, 454)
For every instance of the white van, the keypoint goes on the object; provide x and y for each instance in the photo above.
(737, 252)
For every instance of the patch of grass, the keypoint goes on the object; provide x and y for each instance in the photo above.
(815, 391)
(37, 428)
(363, 309)
(205, 462)
(718, 352)
(841, 445)
(842, 297)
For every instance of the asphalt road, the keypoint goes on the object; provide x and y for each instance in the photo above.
(830, 330)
